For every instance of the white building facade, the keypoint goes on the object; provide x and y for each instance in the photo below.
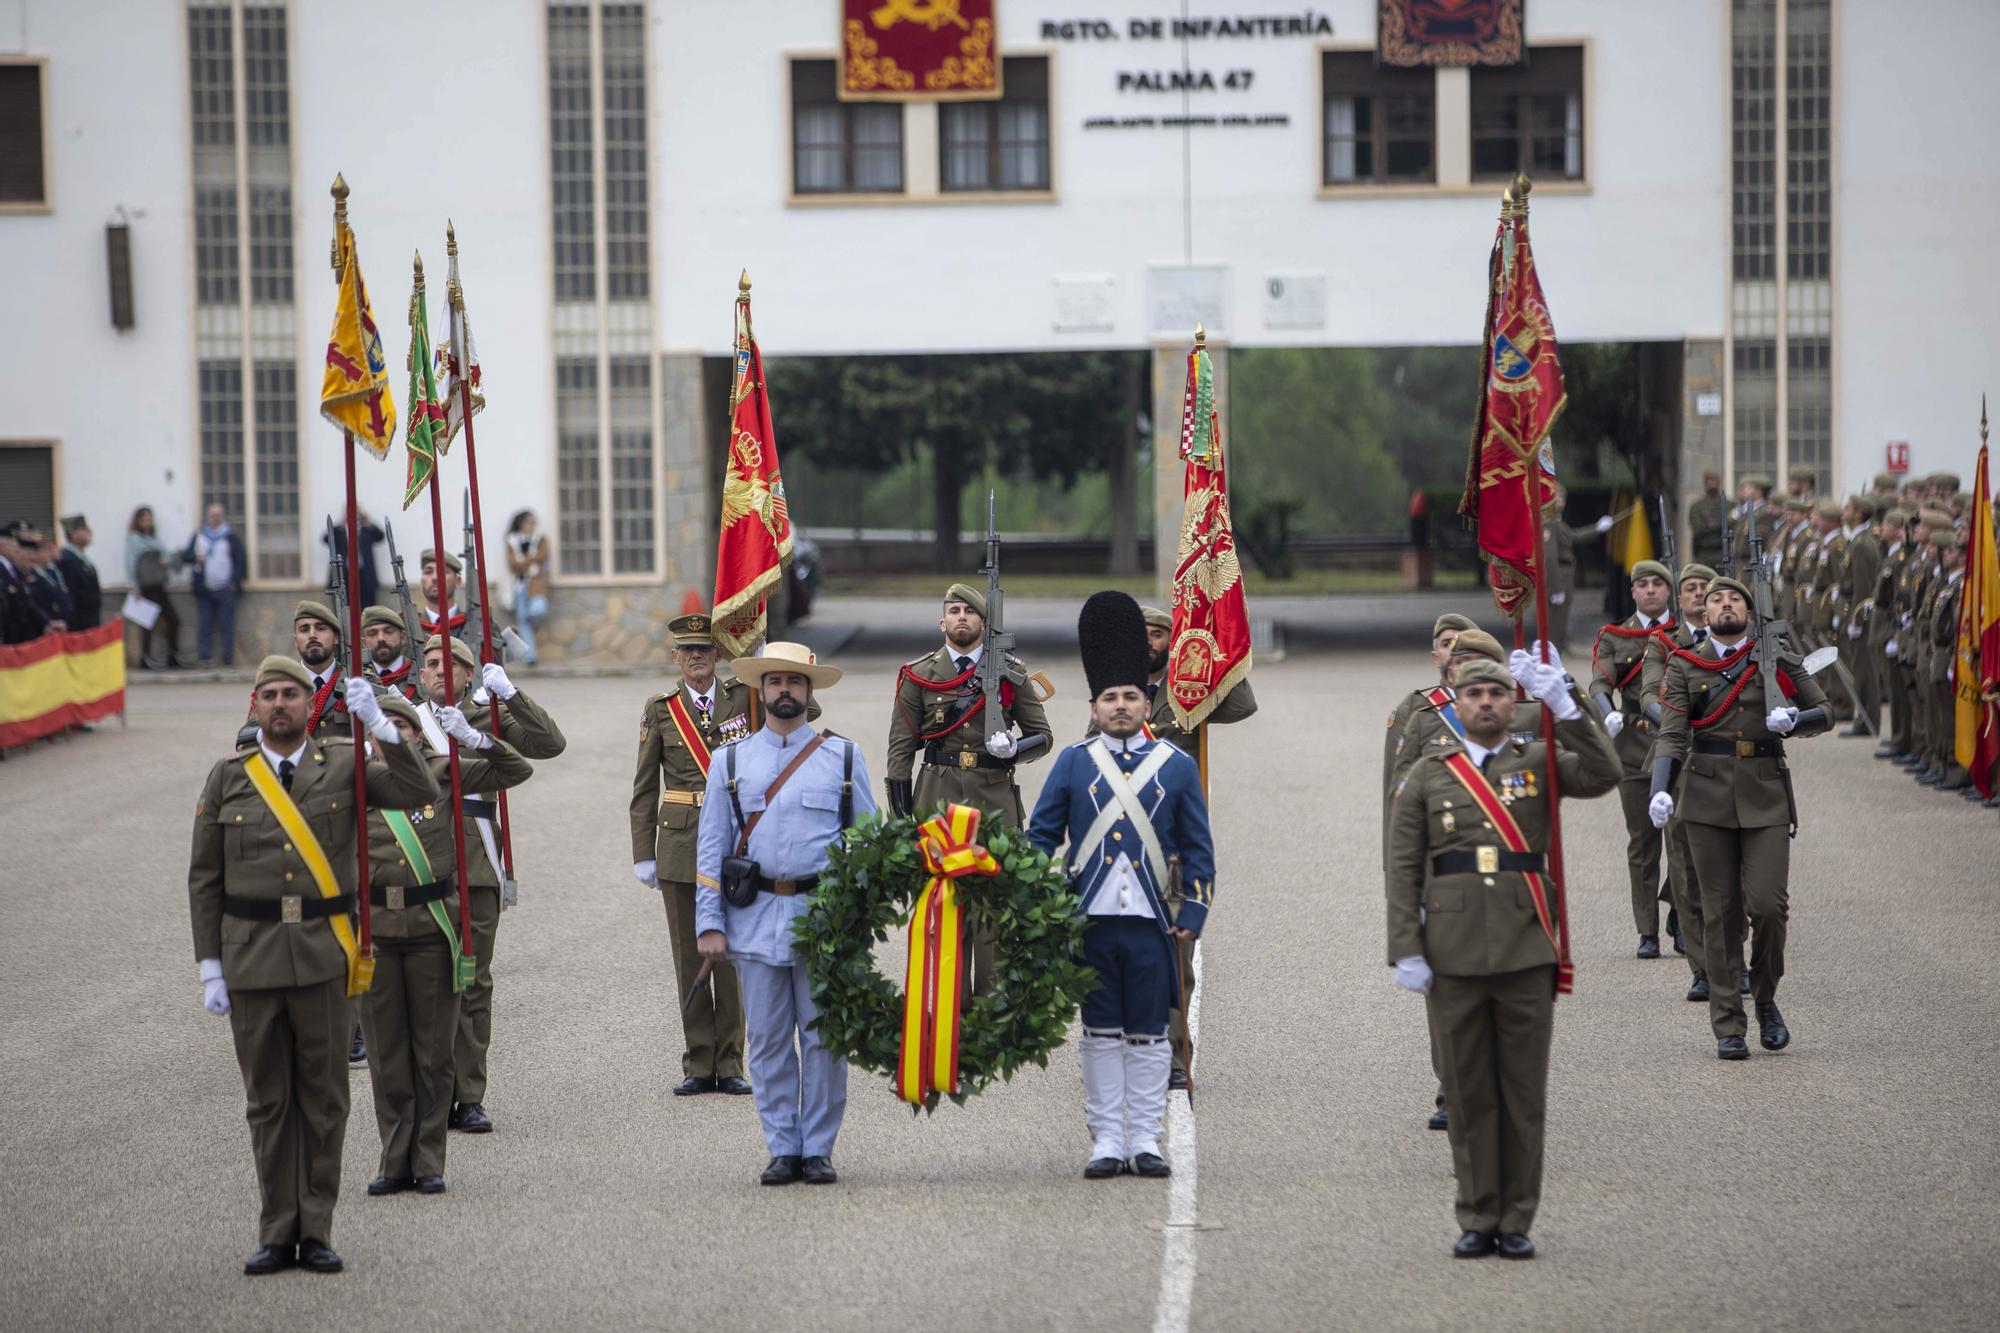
(1796, 193)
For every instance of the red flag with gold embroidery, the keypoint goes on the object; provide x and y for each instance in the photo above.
(1211, 645)
(1975, 671)
(918, 50)
(1510, 479)
(756, 539)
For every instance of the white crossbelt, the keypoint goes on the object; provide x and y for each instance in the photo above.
(1125, 802)
(434, 735)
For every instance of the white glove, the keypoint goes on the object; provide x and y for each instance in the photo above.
(1413, 973)
(1782, 720)
(1660, 809)
(1614, 723)
(214, 991)
(1854, 631)
(647, 873)
(454, 725)
(1521, 667)
(1535, 654)
(1002, 745)
(1606, 523)
(1558, 598)
(1889, 649)
(362, 703)
(494, 677)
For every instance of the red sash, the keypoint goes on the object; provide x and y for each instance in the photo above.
(1489, 803)
(1785, 685)
(690, 733)
(1663, 630)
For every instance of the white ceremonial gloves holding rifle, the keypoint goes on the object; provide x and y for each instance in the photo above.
(1660, 809)
(1545, 681)
(1782, 720)
(453, 724)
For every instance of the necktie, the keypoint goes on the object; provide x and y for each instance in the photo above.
(1486, 764)
(1152, 690)
(285, 770)
(964, 665)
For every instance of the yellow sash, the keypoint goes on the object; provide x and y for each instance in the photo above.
(360, 971)
(927, 1064)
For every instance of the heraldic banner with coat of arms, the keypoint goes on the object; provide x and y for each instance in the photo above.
(918, 50)
(1211, 645)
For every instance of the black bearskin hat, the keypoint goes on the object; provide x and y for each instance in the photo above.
(1111, 632)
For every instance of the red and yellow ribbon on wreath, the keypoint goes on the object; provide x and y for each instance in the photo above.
(933, 991)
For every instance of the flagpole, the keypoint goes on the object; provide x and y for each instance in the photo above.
(462, 355)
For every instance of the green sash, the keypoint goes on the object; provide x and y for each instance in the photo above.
(412, 847)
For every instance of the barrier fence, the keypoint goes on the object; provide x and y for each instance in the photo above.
(60, 680)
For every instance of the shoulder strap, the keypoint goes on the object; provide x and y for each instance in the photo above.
(847, 788)
(729, 773)
(770, 792)
(1125, 801)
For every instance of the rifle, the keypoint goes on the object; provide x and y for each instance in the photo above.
(1673, 556)
(1727, 565)
(413, 638)
(994, 666)
(336, 576)
(474, 584)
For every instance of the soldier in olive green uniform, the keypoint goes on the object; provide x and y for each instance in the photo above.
(1884, 619)
(1904, 647)
(1853, 605)
(411, 1012)
(1936, 525)
(386, 641)
(1617, 660)
(1943, 660)
(1430, 725)
(527, 727)
(941, 723)
(679, 732)
(1559, 541)
(1705, 521)
(270, 954)
(1725, 736)
(1464, 927)
(1443, 633)
(1798, 550)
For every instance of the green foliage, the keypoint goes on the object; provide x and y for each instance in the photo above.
(869, 887)
(1310, 424)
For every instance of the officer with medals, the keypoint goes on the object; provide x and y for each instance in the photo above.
(525, 725)
(1617, 659)
(1125, 805)
(410, 1013)
(680, 731)
(1719, 764)
(937, 716)
(776, 802)
(385, 641)
(272, 900)
(1471, 924)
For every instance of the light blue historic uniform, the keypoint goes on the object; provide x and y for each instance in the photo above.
(1121, 838)
(801, 1093)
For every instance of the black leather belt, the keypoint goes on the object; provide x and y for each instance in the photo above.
(479, 809)
(1487, 861)
(1740, 749)
(787, 888)
(291, 907)
(395, 897)
(943, 758)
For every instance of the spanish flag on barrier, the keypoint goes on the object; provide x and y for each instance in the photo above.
(354, 394)
(756, 540)
(425, 432)
(60, 680)
(1976, 672)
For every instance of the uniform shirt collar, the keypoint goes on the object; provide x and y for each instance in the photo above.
(274, 759)
(797, 738)
(1479, 753)
(1134, 744)
(1894, 547)
(706, 698)
(1716, 644)
(952, 652)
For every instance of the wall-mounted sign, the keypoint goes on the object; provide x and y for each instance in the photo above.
(1084, 304)
(1708, 404)
(918, 50)
(1165, 68)
(1899, 456)
(1180, 297)
(1295, 301)
(1448, 32)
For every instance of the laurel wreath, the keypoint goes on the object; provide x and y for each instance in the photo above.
(869, 886)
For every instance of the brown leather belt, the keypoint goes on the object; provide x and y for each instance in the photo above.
(693, 798)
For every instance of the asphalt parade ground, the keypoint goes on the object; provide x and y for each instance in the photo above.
(1849, 1182)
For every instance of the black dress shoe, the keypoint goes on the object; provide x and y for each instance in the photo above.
(430, 1184)
(818, 1171)
(1151, 1165)
(1438, 1120)
(1953, 784)
(1474, 1245)
(735, 1085)
(1772, 1033)
(357, 1051)
(693, 1086)
(1698, 989)
(1885, 751)
(1929, 779)
(389, 1185)
(1992, 802)
(472, 1118)
(1104, 1168)
(1731, 1048)
(781, 1171)
(316, 1256)
(1743, 982)
(1680, 944)
(268, 1259)
(1649, 947)
(1906, 759)
(1177, 1081)
(1514, 1245)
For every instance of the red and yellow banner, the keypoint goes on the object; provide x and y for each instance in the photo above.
(1510, 479)
(933, 987)
(756, 539)
(1976, 673)
(61, 680)
(918, 50)
(354, 393)
(691, 737)
(1211, 644)
(1449, 32)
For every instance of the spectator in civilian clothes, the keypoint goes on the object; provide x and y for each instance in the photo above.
(79, 571)
(216, 553)
(147, 564)
(528, 558)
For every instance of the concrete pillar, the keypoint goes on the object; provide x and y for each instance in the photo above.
(1169, 389)
(1700, 446)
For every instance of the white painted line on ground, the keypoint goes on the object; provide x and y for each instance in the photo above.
(1177, 1265)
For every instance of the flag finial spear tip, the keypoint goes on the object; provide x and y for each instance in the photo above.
(450, 238)
(743, 283)
(1982, 418)
(1200, 336)
(417, 266)
(339, 188)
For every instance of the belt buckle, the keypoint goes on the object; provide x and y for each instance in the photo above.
(394, 898)
(290, 909)
(1489, 860)
(1746, 749)
(785, 888)
(968, 759)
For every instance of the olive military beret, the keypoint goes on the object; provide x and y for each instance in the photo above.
(1451, 620)
(1479, 670)
(1828, 510)
(1802, 472)
(1694, 571)
(1651, 569)
(1937, 519)
(279, 667)
(971, 596)
(461, 652)
(394, 704)
(1156, 618)
(1737, 586)
(320, 611)
(1759, 480)
(429, 557)
(1478, 643)
(1864, 505)
(381, 615)
(1900, 517)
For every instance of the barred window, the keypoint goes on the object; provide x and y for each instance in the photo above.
(999, 145)
(1756, 406)
(276, 534)
(1809, 402)
(579, 499)
(1808, 139)
(267, 130)
(1380, 123)
(1753, 140)
(23, 155)
(1529, 117)
(221, 388)
(570, 146)
(631, 465)
(212, 112)
(842, 147)
(626, 276)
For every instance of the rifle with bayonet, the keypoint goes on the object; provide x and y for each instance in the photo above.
(336, 577)
(473, 586)
(996, 662)
(1727, 565)
(1673, 555)
(413, 633)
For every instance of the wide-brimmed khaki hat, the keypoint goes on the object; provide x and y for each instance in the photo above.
(785, 657)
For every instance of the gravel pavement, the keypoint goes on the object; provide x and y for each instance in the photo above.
(1850, 1182)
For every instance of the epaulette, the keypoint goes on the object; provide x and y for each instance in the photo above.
(919, 661)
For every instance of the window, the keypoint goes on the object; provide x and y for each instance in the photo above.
(626, 276)
(570, 138)
(28, 482)
(579, 507)
(1529, 117)
(1756, 406)
(1381, 123)
(276, 536)
(222, 437)
(843, 147)
(268, 130)
(23, 159)
(1000, 145)
(631, 465)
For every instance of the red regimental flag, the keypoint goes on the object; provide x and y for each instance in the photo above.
(1976, 672)
(1211, 646)
(756, 538)
(1511, 475)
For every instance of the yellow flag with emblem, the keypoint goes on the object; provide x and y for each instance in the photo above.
(354, 393)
